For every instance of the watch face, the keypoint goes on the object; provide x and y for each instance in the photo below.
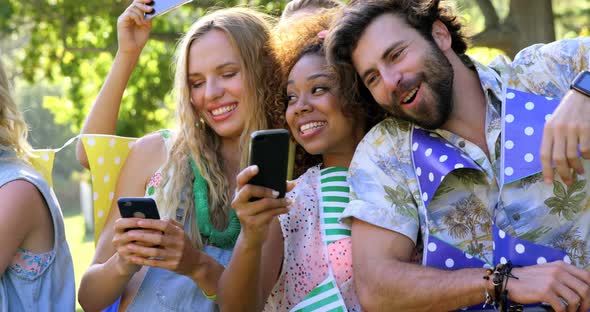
(584, 81)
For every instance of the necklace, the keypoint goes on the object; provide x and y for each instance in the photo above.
(225, 239)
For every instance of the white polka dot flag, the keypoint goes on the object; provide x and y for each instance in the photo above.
(44, 163)
(522, 252)
(434, 157)
(525, 115)
(106, 155)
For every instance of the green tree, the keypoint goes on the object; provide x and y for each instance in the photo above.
(511, 25)
(469, 216)
(402, 201)
(574, 245)
(567, 202)
(73, 42)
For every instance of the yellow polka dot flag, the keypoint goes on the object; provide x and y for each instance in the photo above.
(44, 163)
(106, 155)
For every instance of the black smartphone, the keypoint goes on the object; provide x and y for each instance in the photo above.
(269, 150)
(164, 6)
(138, 207)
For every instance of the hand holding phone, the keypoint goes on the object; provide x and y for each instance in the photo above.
(138, 207)
(269, 150)
(164, 6)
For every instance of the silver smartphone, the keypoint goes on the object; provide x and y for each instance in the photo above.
(164, 6)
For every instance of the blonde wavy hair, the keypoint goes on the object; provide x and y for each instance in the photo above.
(13, 129)
(249, 33)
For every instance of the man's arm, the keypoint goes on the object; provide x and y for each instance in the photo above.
(386, 281)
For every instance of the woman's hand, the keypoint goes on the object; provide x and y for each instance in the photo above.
(255, 216)
(164, 244)
(133, 29)
(122, 242)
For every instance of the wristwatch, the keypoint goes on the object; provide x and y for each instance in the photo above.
(582, 83)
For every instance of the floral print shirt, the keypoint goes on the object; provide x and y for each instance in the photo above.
(305, 264)
(30, 265)
(385, 192)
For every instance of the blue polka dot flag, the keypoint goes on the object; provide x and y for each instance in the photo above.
(524, 119)
(433, 158)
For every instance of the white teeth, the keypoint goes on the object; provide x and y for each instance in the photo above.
(223, 110)
(311, 125)
(410, 95)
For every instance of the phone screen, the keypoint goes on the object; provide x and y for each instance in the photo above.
(164, 6)
(269, 150)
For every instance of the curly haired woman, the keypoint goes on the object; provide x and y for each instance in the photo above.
(302, 259)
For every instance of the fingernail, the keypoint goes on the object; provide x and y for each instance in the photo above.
(275, 194)
(548, 181)
(254, 169)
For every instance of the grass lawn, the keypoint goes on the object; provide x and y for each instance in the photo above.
(81, 246)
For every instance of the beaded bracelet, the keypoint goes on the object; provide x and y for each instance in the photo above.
(212, 297)
(489, 300)
(500, 276)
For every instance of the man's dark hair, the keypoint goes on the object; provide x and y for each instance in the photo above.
(356, 17)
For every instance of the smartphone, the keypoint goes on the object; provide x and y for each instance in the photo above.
(164, 6)
(138, 207)
(269, 150)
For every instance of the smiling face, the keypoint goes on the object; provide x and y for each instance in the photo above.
(215, 80)
(314, 112)
(407, 74)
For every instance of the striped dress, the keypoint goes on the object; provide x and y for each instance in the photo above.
(314, 242)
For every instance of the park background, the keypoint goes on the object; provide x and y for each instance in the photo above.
(58, 52)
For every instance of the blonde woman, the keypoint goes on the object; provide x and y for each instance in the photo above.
(36, 272)
(174, 264)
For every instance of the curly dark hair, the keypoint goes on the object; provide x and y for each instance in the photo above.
(295, 5)
(294, 38)
(356, 17)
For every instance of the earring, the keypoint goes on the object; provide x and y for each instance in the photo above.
(200, 123)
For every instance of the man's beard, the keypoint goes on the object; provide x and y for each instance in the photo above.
(434, 107)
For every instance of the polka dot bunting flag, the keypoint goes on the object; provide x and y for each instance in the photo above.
(444, 256)
(522, 252)
(106, 155)
(524, 119)
(44, 163)
(434, 158)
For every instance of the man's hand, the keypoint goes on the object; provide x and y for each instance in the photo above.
(564, 286)
(567, 130)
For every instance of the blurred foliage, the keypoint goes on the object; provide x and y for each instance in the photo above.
(71, 44)
(46, 134)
